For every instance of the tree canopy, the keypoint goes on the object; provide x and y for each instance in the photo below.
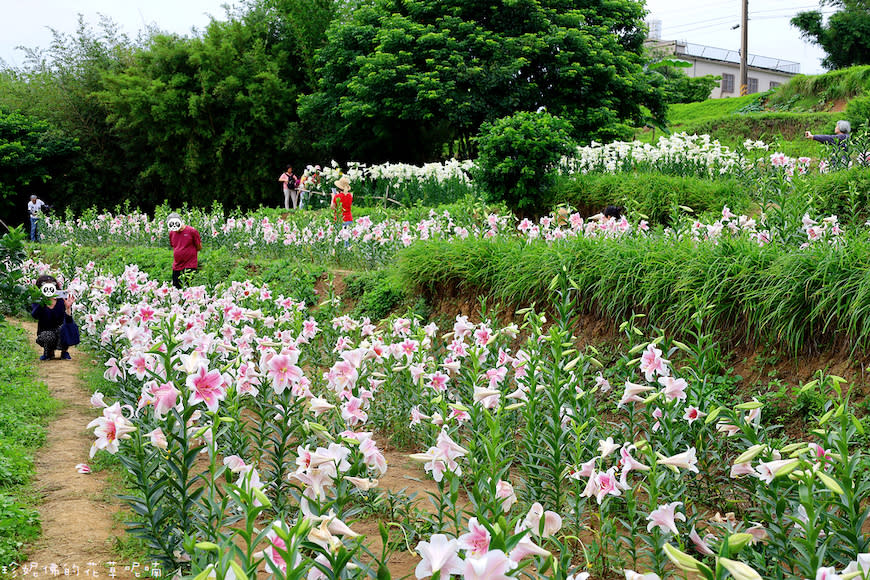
(406, 79)
(845, 38)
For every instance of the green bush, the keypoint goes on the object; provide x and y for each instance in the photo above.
(519, 158)
(378, 293)
(25, 408)
(858, 111)
(844, 193)
(798, 299)
(652, 194)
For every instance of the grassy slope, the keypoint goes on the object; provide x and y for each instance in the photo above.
(25, 407)
(780, 116)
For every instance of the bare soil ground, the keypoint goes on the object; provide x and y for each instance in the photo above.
(77, 511)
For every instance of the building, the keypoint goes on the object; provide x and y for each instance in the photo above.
(763, 73)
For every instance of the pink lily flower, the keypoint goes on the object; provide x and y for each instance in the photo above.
(532, 521)
(701, 544)
(83, 468)
(674, 389)
(664, 517)
(652, 363)
(631, 394)
(684, 460)
(158, 439)
(767, 471)
(439, 554)
(282, 371)
(744, 468)
(110, 429)
(629, 464)
(476, 541)
(692, 414)
(494, 565)
(206, 386)
(505, 491)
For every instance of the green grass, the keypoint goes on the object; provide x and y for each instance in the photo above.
(689, 113)
(25, 408)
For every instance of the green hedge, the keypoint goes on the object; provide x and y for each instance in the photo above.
(652, 194)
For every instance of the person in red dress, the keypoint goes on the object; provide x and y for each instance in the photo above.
(343, 200)
(186, 244)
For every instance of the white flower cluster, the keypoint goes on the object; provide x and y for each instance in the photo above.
(397, 173)
(679, 149)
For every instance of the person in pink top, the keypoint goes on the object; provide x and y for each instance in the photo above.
(290, 184)
(186, 244)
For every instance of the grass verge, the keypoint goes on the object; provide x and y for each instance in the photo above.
(25, 409)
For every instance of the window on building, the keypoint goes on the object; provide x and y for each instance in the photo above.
(774, 84)
(753, 85)
(727, 83)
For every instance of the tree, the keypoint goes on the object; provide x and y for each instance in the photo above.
(409, 79)
(59, 85)
(34, 156)
(212, 118)
(846, 36)
(519, 159)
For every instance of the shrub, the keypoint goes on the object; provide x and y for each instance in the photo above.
(519, 158)
(858, 111)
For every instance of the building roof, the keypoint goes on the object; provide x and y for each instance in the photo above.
(689, 49)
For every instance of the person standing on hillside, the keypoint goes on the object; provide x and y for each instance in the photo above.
(34, 208)
(841, 133)
(186, 244)
(290, 184)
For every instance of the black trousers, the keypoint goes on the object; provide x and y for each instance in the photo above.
(177, 275)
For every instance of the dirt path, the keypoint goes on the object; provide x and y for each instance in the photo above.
(76, 510)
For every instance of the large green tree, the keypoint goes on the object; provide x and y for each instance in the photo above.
(408, 79)
(59, 84)
(845, 37)
(213, 118)
(34, 159)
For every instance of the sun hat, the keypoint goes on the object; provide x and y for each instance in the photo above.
(343, 184)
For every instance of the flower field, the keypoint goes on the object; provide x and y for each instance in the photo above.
(254, 431)
(259, 433)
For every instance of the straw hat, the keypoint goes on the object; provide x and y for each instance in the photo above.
(343, 184)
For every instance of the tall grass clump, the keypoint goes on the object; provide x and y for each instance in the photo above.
(799, 298)
(653, 195)
(838, 84)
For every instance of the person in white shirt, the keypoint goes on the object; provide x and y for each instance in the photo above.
(34, 208)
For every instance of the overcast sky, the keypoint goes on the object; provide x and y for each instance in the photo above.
(26, 22)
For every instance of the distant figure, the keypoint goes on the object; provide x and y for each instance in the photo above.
(50, 317)
(612, 211)
(343, 200)
(841, 133)
(186, 244)
(34, 208)
(290, 183)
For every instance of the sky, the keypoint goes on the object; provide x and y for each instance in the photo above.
(27, 23)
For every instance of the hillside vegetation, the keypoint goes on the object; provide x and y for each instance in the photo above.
(780, 115)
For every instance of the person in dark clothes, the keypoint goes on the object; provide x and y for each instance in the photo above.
(49, 317)
(612, 211)
(841, 133)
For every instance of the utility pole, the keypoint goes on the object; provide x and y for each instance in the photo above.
(744, 47)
